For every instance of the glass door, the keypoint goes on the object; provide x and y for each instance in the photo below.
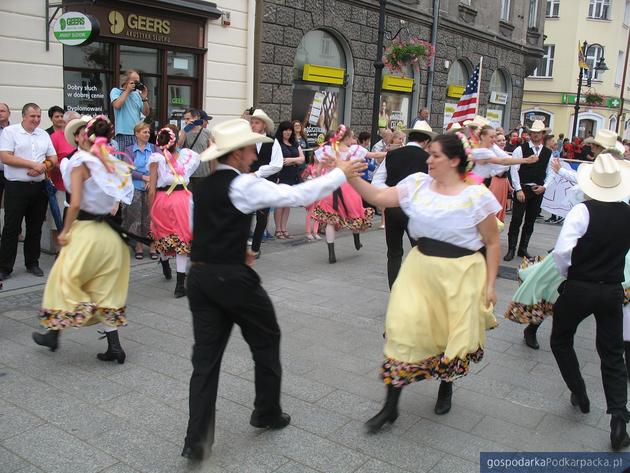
(180, 98)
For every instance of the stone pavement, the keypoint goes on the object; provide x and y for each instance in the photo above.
(68, 412)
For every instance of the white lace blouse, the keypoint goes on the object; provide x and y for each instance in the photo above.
(187, 161)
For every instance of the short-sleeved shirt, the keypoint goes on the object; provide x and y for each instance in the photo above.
(448, 218)
(127, 116)
(140, 161)
(32, 146)
(187, 161)
(2, 128)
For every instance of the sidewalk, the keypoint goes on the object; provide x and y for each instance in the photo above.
(67, 412)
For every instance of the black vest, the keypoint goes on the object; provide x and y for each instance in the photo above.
(220, 230)
(535, 172)
(600, 254)
(403, 162)
(264, 158)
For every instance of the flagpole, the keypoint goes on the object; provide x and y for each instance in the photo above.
(479, 86)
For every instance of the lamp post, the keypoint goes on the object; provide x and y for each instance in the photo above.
(600, 66)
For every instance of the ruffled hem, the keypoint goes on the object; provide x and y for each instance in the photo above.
(529, 313)
(354, 224)
(399, 373)
(171, 245)
(82, 314)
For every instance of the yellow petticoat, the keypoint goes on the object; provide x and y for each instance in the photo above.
(89, 280)
(436, 318)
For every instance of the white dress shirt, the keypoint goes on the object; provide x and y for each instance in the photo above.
(518, 153)
(380, 176)
(574, 227)
(33, 146)
(275, 164)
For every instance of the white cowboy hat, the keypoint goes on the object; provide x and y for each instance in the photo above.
(607, 139)
(261, 115)
(478, 122)
(454, 128)
(421, 126)
(538, 126)
(231, 135)
(605, 179)
(72, 127)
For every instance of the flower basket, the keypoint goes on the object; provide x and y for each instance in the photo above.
(400, 54)
(593, 98)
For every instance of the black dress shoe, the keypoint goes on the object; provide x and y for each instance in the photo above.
(618, 435)
(279, 422)
(509, 256)
(530, 336)
(4, 275)
(35, 270)
(524, 254)
(582, 401)
(445, 393)
(193, 453)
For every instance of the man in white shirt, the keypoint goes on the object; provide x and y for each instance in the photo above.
(5, 113)
(386, 138)
(27, 153)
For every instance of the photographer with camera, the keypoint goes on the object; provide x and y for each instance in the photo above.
(130, 102)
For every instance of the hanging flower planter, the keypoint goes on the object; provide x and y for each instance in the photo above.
(400, 54)
(593, 98)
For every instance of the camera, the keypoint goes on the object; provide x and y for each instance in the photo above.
(138, 85)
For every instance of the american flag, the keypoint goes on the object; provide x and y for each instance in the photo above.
(467, 106)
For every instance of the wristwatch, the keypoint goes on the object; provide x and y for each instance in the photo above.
(145, 100)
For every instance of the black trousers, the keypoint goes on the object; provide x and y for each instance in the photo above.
(578, 300)
(22, 201)
(219, 297)
(528, 209)
(262, 217)
(395, 227)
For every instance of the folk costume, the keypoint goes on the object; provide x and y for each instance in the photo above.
(89, 281)
(170, 212)
(224, 290)
(590, 252)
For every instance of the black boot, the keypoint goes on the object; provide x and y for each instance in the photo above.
(49, 339)
(512, 239)
(618, 435)
(180, 287)
(114, 350)
(530, 336)
(522, 247)
(389, 412)
(331, 253)
(445, 393)
(357, 241)
(166, 269)
(626, 346)
(582, 401)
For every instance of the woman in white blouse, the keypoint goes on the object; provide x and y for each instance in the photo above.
(442, 301)
(89, 281)
(169, 201)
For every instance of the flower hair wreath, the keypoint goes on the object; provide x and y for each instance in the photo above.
(467, 149)
(171, 140)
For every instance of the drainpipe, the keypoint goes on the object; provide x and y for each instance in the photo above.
(251, 31)
(434, 30)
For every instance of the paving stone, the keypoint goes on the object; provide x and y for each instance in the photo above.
(293, 467)
(312, 418)
(376, 466)
(54, 450)
(10, 462)
(119, 468)
(14, 420)
(151, 383)
(454, 465)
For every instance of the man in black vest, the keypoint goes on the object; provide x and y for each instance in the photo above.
(590, 252)
(528, 181)
(397, 165)
(267, 165)
(224, 290)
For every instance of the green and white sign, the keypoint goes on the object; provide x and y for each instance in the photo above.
(75, 29)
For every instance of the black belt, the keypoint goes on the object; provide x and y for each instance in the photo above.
(442, 249)
(338, 199)
(111, 221)
(179, 187)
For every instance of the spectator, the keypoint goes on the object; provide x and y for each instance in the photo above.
(386, 138)
(130, 102)
(513, 142)
(423, 115)
(398, 140)
(27, 153)
(5, 113)
(364, 139)
(136, 216)
(198, 139)
(55, 113)
(300, 134)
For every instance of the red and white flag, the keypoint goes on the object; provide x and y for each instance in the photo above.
(467, 106)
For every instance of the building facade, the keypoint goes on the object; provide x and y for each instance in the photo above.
(188, 53)
(551, 90)
(315, 59)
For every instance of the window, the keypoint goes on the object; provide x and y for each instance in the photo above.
(620, 63)
(599, 9)
(532, 22)
(553, 8)
(626, 14)
(612, 124)
(465, 2)
(545, 64)
(505, 10)
(594, 53)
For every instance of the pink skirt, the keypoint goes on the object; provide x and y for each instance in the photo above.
(499, 186)
(170, 222)
(344, 209)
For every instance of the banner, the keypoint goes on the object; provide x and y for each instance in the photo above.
(394, 113)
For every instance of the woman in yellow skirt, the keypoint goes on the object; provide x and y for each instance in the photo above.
(89, 281)
(441, 303)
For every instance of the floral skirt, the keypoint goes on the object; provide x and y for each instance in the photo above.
(170, 223)
(344, 209)
(436, 318)
(89, 281)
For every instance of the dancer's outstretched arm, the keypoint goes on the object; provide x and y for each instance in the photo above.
(383, 197)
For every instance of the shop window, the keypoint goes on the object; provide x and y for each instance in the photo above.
(92, 56)
(181, 64)
(319, 86)
(530, 116)
(499, 100)
(147, 62)
(87, 78)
